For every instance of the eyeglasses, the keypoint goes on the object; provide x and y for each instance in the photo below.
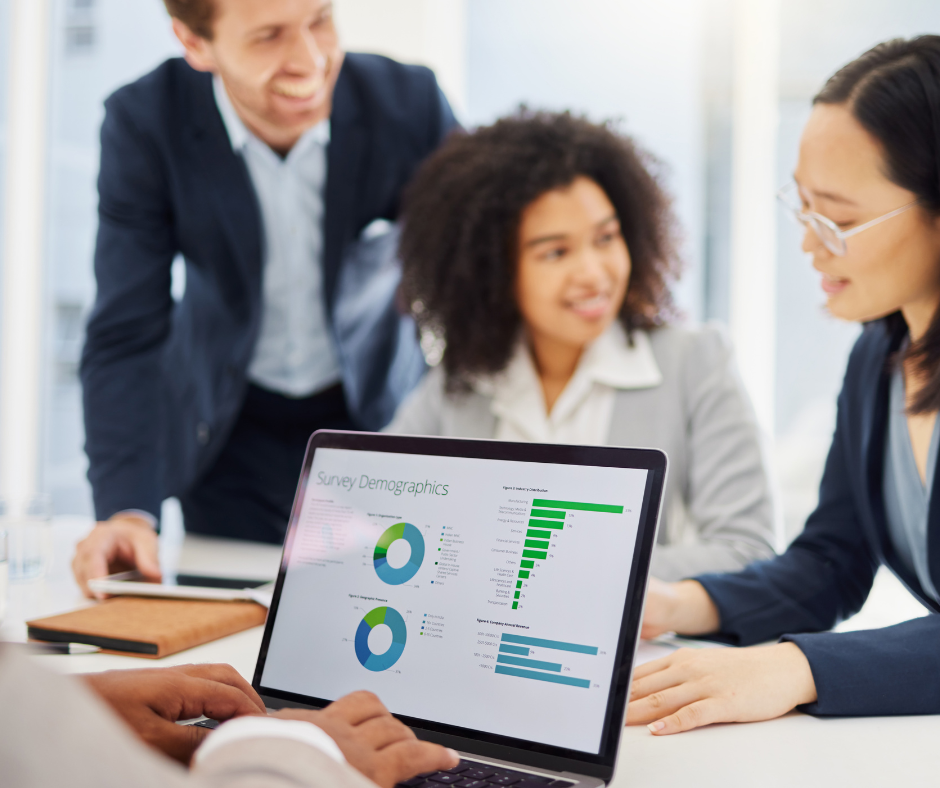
(831, 236)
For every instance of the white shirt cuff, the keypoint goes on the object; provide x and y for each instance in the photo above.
(269, 728)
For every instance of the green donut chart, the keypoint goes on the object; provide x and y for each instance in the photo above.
(393, 620)
(387, 573)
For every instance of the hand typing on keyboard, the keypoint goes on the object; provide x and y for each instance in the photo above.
(151, 700)
(472, 774)
(373, 741)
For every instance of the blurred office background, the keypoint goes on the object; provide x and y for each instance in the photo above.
(718, 90)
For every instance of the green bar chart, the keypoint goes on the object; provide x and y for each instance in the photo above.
(578, 507)
(554, 524)
(537, 543)
(546, 520)
(548, 513)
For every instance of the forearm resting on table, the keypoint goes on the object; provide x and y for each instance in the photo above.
(684, 607)
(694, 612)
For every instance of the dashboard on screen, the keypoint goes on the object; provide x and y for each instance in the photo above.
(483, 594)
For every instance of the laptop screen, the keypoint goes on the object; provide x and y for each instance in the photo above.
(484, 594)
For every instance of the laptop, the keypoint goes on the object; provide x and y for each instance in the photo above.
(489, 593)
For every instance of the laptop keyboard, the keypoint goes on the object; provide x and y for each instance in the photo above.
(470, 774)
(466, 774)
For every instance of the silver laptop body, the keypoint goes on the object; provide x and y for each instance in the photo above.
(490, 593)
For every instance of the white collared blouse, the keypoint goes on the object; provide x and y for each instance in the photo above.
(583, 412)
(675, 388)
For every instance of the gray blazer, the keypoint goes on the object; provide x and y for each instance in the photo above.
(54, 732)
(718, 511)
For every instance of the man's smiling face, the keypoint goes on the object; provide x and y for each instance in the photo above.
(278, 59)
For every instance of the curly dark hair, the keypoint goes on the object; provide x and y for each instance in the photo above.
(460, 223)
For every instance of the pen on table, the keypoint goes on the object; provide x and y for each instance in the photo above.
(58, 648)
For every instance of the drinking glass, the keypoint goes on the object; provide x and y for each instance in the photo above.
(28, 525)
(4, 575)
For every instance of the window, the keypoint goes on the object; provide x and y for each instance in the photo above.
(80, 30)
(663, 68)
(86, 67)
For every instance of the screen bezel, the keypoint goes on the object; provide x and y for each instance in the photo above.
(481, 742)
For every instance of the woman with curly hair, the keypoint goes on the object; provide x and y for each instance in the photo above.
(540, 250)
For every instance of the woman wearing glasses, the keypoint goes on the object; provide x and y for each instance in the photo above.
(541, 250)
(868, 182)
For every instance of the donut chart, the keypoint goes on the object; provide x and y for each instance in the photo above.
(393, 620)
(387, 573)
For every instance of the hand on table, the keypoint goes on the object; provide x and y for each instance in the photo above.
(373, 741)
(153, 699)
(124, 542)
(691, 688)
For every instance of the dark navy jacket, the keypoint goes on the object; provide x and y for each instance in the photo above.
(827, 573)
(163, 382)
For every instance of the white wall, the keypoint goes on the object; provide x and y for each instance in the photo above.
(130, 37)
(816, 38)
(653, 64)
(429, 32)
(633, 60)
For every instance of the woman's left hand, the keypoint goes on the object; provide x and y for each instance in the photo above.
(692, 687)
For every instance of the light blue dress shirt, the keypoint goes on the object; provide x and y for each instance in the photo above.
(907, 500)
(295, 354)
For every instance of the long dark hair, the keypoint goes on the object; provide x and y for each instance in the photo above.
(893, 91)
(461, 217)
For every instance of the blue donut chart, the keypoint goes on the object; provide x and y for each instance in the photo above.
(387, 573)
(393, 620)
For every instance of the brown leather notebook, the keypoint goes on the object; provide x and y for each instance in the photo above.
(146, 627)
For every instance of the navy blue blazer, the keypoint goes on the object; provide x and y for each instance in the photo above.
(827, 572)
(163, 382)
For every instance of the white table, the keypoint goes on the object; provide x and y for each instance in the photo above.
(58, 593)
(796, 750)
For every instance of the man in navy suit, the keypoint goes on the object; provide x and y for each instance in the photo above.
(271, 163)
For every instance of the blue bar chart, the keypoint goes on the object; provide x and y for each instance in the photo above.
(514, 659)
(529, 663)
(524, 640)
